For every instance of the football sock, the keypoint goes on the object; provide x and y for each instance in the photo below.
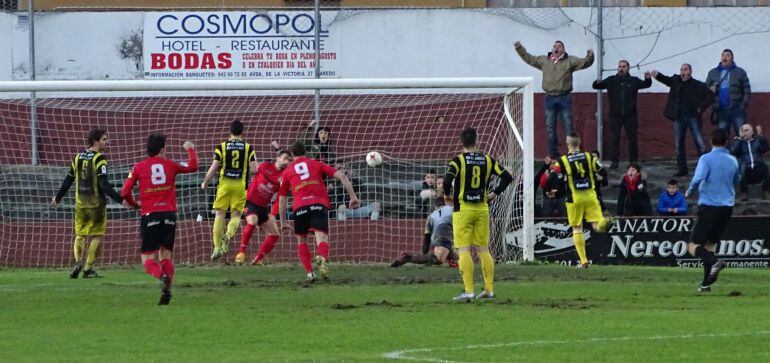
(167, 267)
(233, 225)
(706, 272)
(580, 246)
(705, 255)
(248, 231)
(304, 257)
(466, 270)
(266, 246)
(323, 250)
(219, 227)
(488, 270)
(93, 251)
(78, 247)
(152, 268)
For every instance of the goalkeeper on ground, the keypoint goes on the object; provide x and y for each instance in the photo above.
(437, 245)
(89, 173)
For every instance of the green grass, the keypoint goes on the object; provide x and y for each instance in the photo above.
(542, 314)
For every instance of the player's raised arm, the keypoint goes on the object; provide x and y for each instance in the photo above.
(192, 162)
(65, 187)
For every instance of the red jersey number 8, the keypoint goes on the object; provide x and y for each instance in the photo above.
(302, 170)
(158, 176)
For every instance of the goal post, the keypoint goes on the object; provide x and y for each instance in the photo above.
(413, 122)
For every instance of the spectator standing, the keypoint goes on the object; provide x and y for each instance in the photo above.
(733, 91)
(633, 199)
(557, 67)
(622, 90)
(748, 149)
(671, 201)
(687, 99)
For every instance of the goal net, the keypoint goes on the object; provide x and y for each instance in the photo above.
(415, 125)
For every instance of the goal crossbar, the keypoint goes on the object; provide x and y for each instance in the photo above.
(242, 85)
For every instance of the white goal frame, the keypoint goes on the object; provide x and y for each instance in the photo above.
(522, 85)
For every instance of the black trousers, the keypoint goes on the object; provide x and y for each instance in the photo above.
(631, 124)
(755, 176)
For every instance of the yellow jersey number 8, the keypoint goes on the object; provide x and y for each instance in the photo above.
(475, 177)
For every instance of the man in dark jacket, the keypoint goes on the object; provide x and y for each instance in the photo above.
(687, 100)
(748, 149)
(633, 199)
(622, 90)
(731, 86)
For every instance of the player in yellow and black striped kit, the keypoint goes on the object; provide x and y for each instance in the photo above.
(468, 175)
(234, 159)
(580, 168)
(89, 173)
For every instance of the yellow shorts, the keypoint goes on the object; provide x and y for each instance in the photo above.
(90, 221)
(232, 197)
(590, 210)
(471, 228)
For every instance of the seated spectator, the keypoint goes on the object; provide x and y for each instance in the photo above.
(337, 195)
(633, 199)
(554, 190)
(428, 194)
(748, 149)
(671, 201)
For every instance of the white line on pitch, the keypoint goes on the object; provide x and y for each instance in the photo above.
(59, 287)
(402, 354)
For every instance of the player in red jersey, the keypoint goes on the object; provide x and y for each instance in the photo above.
(304, 177)
(157, 199)
(262, 188)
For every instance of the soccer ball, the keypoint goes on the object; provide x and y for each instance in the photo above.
(373, 159)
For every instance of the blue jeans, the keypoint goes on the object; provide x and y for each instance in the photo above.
(680, 128)
(561, 105)
(727, 117)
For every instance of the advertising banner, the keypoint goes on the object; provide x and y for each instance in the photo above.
(659, 241)
(236, 45)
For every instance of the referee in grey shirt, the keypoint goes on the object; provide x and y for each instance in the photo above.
(715, 178)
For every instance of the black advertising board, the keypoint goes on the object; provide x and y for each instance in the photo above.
(657, 241)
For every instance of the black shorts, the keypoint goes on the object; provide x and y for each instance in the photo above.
(311, 218)
(710, 224)
(158, 230)
(263, 213)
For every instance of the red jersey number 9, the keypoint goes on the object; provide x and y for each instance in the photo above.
(302, 170)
